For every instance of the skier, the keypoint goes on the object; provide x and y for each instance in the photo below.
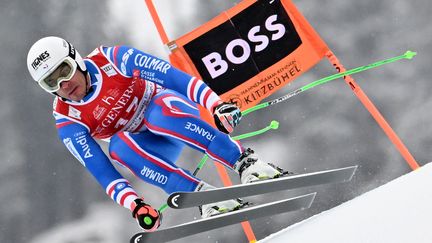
(147, 110)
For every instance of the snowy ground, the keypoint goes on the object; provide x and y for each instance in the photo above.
(397, 212)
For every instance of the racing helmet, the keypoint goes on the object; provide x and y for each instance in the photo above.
(52, 60)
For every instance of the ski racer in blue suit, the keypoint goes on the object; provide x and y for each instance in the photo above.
(147, 111)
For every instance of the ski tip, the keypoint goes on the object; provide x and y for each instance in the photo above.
(307, 199)
(311, 198)
(347, 172)
(354, 169)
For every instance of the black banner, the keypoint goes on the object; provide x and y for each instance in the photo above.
(240, 48)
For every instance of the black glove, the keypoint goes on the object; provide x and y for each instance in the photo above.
(226, 116)
(148, 218)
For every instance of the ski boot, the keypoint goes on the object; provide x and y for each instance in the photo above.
(216, 208)
(251, 168)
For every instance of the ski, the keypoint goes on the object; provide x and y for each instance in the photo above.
(225, 219)
(190, 199)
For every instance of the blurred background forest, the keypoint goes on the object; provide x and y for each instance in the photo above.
(47, 196)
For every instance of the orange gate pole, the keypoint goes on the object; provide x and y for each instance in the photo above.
(374, 112)
(247, 228)
(157, 21)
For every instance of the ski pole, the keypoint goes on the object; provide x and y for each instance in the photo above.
(273, 125)
(406, 55)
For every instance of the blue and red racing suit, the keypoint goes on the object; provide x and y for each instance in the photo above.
(147, 109)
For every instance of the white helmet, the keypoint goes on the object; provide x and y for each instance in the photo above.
(47, 54)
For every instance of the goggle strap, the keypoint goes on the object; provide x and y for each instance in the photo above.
(72, 52)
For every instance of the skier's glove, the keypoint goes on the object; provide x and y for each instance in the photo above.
(226, 116)
(147, 217)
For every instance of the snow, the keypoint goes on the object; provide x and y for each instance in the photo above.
(399, 211)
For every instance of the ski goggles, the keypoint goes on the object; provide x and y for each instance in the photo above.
(63, 71)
